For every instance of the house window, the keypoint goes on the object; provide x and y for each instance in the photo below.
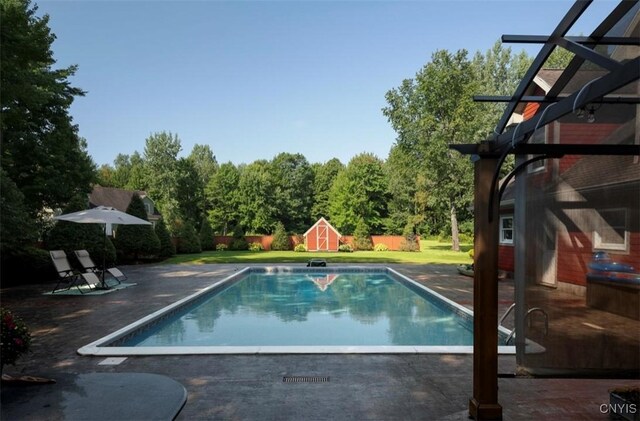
(611, 230)
(148, 208)
(506, 229)
(538, 137)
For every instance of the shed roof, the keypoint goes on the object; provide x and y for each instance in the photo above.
(325, 221)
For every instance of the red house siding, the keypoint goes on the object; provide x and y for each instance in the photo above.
(505, 258)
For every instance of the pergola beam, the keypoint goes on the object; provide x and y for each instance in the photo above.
(598, 88)
(588, 54)
(543, 39)
(545, 99)
(563, 27)
(556, 150)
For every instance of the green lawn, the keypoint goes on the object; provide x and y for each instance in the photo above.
(431, 252)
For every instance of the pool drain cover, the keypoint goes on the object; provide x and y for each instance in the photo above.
(305, 379)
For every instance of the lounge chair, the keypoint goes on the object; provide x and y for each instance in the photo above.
(317, 263)
(87, 264)
(66, 275)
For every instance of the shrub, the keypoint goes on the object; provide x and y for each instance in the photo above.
(15, 335)
(206, 235)
(281, 240)
(167, 248)
(256, 247)
(188, 240)
(345, 248)
(26, 264)
(465, 238)
(409, 243)
(300, 248)
(137, 241)
(238, 242)
(381, 247)
(221, 247)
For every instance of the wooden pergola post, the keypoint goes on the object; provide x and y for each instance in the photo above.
(484, 403)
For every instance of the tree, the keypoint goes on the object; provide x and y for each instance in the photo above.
(188, 241)
(189, 192)
(255, 198)
(204, 162)
(137, 241)
(41, 150)
(432, 111)
(292, 181)
(17, 229)
(281, 240)
(324, 176)
(162, 173)
(167, 249)
(70, 236)
(360, 191)
(222, 198)
(206, 235)
(362, 236)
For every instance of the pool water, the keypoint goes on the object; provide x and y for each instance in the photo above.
(310, 309)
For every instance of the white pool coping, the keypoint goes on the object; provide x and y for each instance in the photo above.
(99, 348)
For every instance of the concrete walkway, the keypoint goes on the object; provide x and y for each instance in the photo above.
(248, 387)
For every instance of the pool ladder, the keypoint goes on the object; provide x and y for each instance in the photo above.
(529, 312)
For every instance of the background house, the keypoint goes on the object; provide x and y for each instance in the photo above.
(120, 199)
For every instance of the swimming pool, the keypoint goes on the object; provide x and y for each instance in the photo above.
(301, 310)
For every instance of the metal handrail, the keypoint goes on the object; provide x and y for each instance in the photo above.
(506, 313)
(531, 310)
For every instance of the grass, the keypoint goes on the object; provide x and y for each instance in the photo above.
(431, 251)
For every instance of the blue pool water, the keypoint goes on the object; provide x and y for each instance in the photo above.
(310, 309)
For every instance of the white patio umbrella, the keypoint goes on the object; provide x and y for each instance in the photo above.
(102, 215)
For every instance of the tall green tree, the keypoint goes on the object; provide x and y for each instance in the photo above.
(292, 181)
(360, 191)
(41, 150)
(162, 173)
(189, 192)
(324, 176)
(204, 162)
(257, 208)
(222, 200)
(430, 112)
(137, 241)
(16, 229)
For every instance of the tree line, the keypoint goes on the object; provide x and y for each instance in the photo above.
(420, 187)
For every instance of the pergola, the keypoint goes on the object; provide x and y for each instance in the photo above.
(512, 139)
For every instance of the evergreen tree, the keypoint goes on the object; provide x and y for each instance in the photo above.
(188, 241)
(206, 235)
(137, 241)
(281, 240)
(238, 242)
(167, 249)
(361, 236)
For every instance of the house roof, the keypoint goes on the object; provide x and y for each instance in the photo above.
(117, 198)
(326, 222)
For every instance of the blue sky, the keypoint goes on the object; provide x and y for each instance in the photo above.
(253, 79)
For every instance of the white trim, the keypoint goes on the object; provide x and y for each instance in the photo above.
(328, 224)
(597, 240)
(506, 241)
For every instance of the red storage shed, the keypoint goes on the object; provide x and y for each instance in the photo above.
(322, 236)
